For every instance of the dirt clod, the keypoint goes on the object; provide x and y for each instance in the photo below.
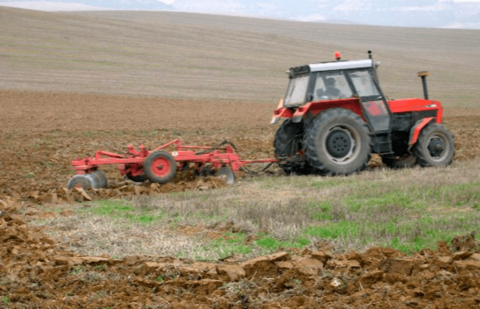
(31, 263)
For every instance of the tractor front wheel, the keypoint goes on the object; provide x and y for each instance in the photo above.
(435, 146)
(160, 167)
(338, 143)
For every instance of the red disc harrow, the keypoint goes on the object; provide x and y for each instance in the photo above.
(158, 165)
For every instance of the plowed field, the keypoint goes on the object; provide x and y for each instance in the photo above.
(42, 132)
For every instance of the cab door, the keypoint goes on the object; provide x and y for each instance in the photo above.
(373, 102)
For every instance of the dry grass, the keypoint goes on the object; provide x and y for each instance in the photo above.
(97, 235)
(408, 209)
(195, 56)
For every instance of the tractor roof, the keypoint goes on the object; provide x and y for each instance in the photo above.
(341, 65)
(329, 66)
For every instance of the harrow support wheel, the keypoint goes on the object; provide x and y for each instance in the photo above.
(337, 143)
(435, 146)
(139, 178)
(160, 167)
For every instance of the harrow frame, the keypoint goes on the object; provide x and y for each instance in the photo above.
(158, 167)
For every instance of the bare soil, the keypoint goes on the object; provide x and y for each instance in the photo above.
(42, 132)
(38, 273)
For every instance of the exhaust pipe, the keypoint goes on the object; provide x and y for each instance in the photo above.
(375, 66)
(424, 75)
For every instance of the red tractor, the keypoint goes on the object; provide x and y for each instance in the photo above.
(337, 116)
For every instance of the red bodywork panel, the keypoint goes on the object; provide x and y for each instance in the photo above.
(353, 104)
(415, 131)
(416, 105)
(315, 108)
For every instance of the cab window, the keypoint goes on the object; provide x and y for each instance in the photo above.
(331, 86)
(363, 83)
(297, 90)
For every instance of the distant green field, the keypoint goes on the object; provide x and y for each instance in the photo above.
(199, 56)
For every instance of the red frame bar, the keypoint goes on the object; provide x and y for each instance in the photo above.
(132, 162)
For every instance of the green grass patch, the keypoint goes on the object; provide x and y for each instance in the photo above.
(332, 230)
(323, 183)
(121, 209)
(364, 201)
(110, 208)
(322, 211)
(271, 244)
(455, 194)
(227, 247)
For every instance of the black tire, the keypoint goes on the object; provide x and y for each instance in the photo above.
(160, 167)
(286, 147)
(400, 162)
(338, 142)
(138, 178)
(103, 182)
(83, 181)
(435, 146)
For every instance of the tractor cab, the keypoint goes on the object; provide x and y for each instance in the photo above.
(336, 116)
(337, 82)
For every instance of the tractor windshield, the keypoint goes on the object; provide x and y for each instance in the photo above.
(297, 89)
(331, 86)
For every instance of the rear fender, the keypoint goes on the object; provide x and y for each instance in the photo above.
(315, 108)
(417, 128)
(281, 112)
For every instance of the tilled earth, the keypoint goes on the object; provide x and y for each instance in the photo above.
(41, 133)
(37, 273)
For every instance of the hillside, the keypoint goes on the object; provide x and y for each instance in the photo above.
(195, 56)
(406, 13)
(75, 83)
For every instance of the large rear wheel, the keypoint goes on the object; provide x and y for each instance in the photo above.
(287, 144)
(338, 143)
(435, 146)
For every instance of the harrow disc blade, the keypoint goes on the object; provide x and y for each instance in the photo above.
(227, 174)
(80, 181)
(102, 179)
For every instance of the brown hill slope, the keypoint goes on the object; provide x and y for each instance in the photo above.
(195, 56)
